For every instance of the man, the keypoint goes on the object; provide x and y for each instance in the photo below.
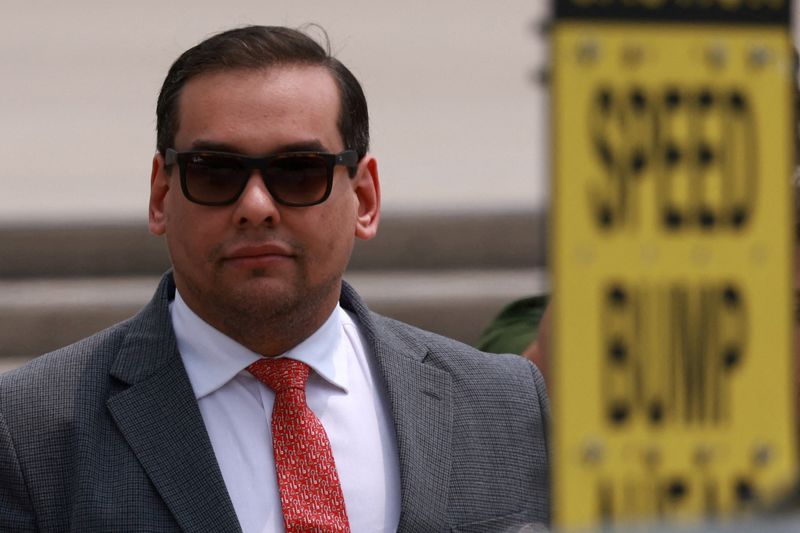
(191, 415)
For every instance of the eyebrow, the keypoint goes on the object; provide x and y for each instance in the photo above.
(313, 145)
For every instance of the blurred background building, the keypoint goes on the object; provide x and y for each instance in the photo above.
(449, 85)
(458, 124)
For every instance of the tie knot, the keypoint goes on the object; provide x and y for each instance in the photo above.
(280, 374)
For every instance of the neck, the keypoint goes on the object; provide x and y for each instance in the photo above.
(273, 336)
(266, 324)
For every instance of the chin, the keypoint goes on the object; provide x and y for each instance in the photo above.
(261, 296)
(264, 286)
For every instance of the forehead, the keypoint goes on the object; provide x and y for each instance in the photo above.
(258, 111)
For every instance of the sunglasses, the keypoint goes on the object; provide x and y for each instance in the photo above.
(295, 179)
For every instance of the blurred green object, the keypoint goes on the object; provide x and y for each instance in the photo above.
(515, 327)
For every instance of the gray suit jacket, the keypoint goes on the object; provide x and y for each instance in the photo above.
(106, 435)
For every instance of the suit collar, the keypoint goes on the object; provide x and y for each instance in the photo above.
(420, 401)
(159, 418)
(150, 343)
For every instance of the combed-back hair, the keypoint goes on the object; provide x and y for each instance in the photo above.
(259, 47)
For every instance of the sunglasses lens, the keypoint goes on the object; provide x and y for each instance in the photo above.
(298, 179)
(214, 179)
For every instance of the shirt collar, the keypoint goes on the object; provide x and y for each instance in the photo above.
(212, 358)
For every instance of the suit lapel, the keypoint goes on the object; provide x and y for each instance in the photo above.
(159, 418)
(420, 400)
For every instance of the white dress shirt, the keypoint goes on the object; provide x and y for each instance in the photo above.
(344, 391)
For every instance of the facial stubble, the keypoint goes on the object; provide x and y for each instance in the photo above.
(268, 320)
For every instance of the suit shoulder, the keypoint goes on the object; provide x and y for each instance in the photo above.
(418, 337)
(65, 367)
(455, 356)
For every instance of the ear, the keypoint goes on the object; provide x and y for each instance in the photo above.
(367, 187)
(159, 186)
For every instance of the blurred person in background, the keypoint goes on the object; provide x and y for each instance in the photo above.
(521, 327)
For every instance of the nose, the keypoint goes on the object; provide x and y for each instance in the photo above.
(255, 206)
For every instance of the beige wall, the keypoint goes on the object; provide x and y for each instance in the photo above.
(458, 123)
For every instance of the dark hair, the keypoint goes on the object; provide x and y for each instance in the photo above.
(256, 47)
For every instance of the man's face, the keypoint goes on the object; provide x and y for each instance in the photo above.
(256, 260)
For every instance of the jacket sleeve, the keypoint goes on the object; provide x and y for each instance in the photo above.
(16, 510)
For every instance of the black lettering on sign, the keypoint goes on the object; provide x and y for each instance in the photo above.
(698, 146)
(670, 351)
(665, 494)
(622, 128)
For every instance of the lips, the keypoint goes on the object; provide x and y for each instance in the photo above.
(259, 254)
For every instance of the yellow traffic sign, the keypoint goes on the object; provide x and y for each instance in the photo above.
(672, 237)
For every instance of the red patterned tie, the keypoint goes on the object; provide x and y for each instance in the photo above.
(311, 497)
